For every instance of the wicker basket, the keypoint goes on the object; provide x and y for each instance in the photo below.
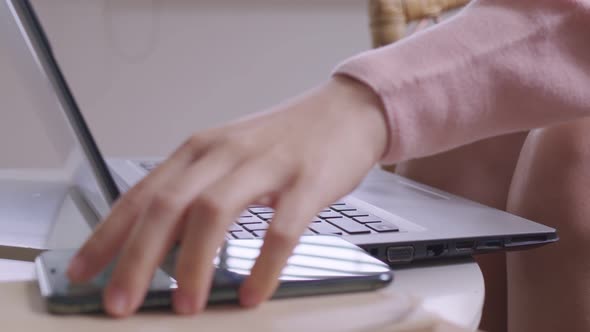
(392, 20)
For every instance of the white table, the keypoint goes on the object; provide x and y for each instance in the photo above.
(13, 270)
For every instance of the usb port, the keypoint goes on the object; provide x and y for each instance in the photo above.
(465, 246)
(490, 245)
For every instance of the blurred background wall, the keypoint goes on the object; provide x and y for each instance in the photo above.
(148, 73)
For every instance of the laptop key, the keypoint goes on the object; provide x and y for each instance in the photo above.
(262, 209)
(248, 220)
(329, 215)
(323, 228)
(149, 165)
(342, 207)
(383, 227)
(308, 232)
(349, 226)
(242, 235)
(246, 214)
(234, 228)
(256, 227)
(355, 213)
(367, 219)
(259, 233)
(266, 216)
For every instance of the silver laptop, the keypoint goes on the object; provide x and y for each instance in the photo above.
(393, 218)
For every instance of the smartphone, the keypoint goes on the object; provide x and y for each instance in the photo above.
(319, 265)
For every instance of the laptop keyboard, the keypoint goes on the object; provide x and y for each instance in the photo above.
(338, 219)
(148, 165)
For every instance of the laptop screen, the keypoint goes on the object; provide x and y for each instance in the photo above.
(58, 110)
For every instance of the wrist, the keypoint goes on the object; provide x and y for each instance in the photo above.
(366, 111)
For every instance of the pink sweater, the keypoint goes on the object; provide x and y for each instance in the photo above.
(500, 66)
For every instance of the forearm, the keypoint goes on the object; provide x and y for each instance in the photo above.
(500, 66)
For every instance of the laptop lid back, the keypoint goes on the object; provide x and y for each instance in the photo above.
(58, 110)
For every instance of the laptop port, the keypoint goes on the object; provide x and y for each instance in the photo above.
(436, 250)
(464, 246)
(374, 252)
(490, 245)
(529, 239)
(401, 254)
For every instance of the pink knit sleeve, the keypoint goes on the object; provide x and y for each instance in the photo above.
(499, 66)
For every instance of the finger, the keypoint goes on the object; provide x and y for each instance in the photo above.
(157, 230)
(108, 238)
(295, 209)
(209, 216)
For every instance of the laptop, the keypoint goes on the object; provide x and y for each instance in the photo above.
(395, 219)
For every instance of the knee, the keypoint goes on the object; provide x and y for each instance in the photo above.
(551, 183)
(473, 171)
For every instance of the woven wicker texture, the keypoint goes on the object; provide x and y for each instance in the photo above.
(392, 20)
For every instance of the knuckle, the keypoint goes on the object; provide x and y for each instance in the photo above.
(239, 145)
(131, 202)
(208, 206)
(135, 254)
(165, 202)
(140, 187)
(282, 159)
(135, 199)
(194, 143)
(307, 176)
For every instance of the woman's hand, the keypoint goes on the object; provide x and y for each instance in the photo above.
(298, 158)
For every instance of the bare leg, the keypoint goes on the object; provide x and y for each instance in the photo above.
(481, 171)
(549, 287)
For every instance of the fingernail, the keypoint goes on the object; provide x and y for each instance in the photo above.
(76, 267)
(117, 301)
(185, 303)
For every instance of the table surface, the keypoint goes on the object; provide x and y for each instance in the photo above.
(453, 290)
